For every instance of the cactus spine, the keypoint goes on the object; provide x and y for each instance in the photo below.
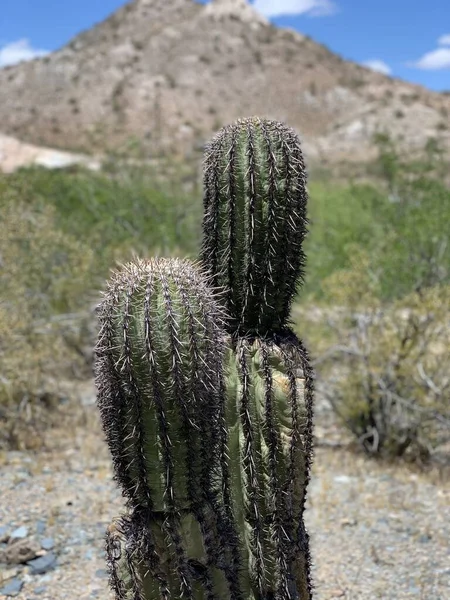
(254, 225)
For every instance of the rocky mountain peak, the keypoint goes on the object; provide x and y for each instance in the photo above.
(240, 9)
(169, 73)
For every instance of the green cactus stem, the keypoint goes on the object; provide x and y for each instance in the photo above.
(255, 221)
(141, 562)
(161, 401)
(270, 420)
(211, 436)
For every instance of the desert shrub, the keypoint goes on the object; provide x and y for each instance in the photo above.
(41, 265)
(389, 368)
(340, 216)
(116, 214)
(42, 308)
(404, 230)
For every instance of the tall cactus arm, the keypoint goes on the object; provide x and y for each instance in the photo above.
(255, 221)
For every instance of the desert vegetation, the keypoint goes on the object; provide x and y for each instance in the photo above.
(372, 310)
(377, 274)
(61, 232)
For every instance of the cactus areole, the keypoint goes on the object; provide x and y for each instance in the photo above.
(255, 221)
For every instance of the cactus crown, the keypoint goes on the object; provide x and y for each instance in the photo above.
(255, 221)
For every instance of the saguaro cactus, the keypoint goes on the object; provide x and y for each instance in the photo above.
(209, 420)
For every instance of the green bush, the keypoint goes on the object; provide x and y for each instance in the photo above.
(117, 214)
(340, 217)
(43, 276)
(405, 231)
(60, 234)
(388, 376)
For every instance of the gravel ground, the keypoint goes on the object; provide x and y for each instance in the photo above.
(377, 531)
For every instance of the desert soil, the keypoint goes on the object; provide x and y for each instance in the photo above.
(377, 530)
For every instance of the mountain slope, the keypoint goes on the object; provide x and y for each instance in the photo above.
(170, 72)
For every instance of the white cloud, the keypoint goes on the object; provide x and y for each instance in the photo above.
(313, 8)
(17, 51)
(434, 60)
(378, 65)
(444, 40)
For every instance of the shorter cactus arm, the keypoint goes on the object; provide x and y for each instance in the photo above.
(162, 403)
(157, 369)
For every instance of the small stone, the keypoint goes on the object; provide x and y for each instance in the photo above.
(19, 534)
(42, 564)
(4, 534)
(88, 399)
(102, 573)
(40, 527)
(349, 522)
(12, 588)
(336, 594)
(7, 574)
(47, 543)
(20, 551)
(40, 590)
(413, 589)
(343, 479)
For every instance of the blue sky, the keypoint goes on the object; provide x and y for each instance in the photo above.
(408, 38)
